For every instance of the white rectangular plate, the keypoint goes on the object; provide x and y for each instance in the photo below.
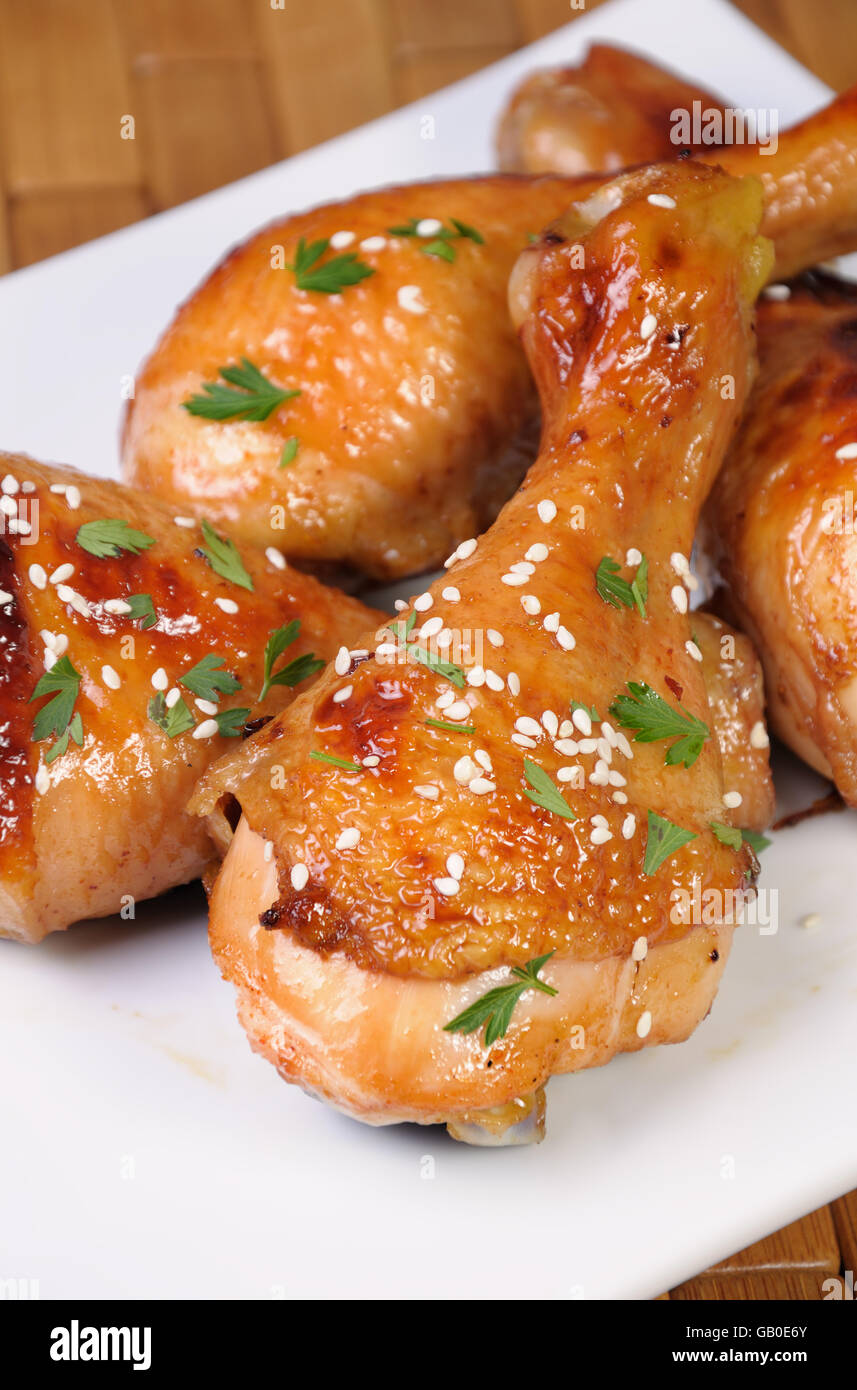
(147, 1153)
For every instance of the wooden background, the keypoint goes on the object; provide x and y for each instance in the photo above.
(219, 88)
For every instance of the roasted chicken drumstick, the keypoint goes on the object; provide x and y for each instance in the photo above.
(135, 644)
(518, 789)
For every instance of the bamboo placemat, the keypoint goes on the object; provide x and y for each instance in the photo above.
(223, 87)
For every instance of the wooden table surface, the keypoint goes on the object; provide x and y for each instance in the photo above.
(219, 88)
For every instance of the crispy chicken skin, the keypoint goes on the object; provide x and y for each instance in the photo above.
(610, 111)
(781, 522)
(105, 823)
(736, 700)
(416, 413)
(361, 934)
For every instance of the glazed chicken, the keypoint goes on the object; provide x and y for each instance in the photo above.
(416, 415)
(518, 788)
(782, 522)
(133, 647)
(612, 110)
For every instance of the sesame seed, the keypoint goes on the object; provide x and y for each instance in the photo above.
(17, 527)
(342, 661)
(268, 851)
(644, 1024)
(678, 594)
(74, 600)
(732, 800)
(428, 226)
(455, 866)
(568, 774)
(5, 596)
(159, 679)
(599, 777)
(466, 549)
(629, 825)
(661, 200)
(565, 639)
(776, 292)
(523, 567)
(693, 650)
(458, 711)
(444, 700)
(679, 563)
(476, 676)
(116, 605)
(27, 486)
(447, 886)
(483, 759)
(275, 557)
(587, 745)
(7, 506)
(608, 733)
(110, 677)
(340, 696)
(550, 722)
(465, 770)
(373, 243)
(759, 735)
(299, 877)
(551, 622)
(444, 638)
(648, 326)
(207, 729)
(566, 729)
(37, 576)
(43, 779)
(186, 522)
(513, 680)
(432, 627)
(616, 779)
(811, 920)
(423, 603)
(601, 835)
(494, 637)
(58, 487)
(514, 580)
(60, 644)
(480, 786)
(581, 720)
(640, 949)
(349, 838)
(451, 594)
(429, 791)
(72, 496)
(385, 649)
(207, 706)
(537, 553)
(340, 240)
(848, 451)
(566, 747)
(50, 659)
(623, 745)
(526, 725)
(9, 484)
(530, 604)
(523, 741)
(410, 299)
(228, 605)
(62, 573)
(546, 510)
(372, 761)
(620, 799)
(172, 697)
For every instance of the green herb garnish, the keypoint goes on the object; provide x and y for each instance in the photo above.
(441, 243)
(733, 837)
(75, 730)
(249, 396)
(544, 793)
(230, 722)
(452, 728)
(756, 840)
(55, 717)
(653, 719)
(326, 277)
(298, 670)
(143, 608)
(495, 1008)
(336, 762)
(209, 680)
(588, 709)
(662, 840)
(290, 450)
(108, 538)
(447, 669)
(174, 721)
(619, 592)
(222, 554)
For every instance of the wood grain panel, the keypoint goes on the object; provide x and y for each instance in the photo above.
(42, 224)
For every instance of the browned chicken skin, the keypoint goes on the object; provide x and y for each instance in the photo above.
(782, 522)
(417, 416)
(612, 110)
(104, 823)
(374, 891)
